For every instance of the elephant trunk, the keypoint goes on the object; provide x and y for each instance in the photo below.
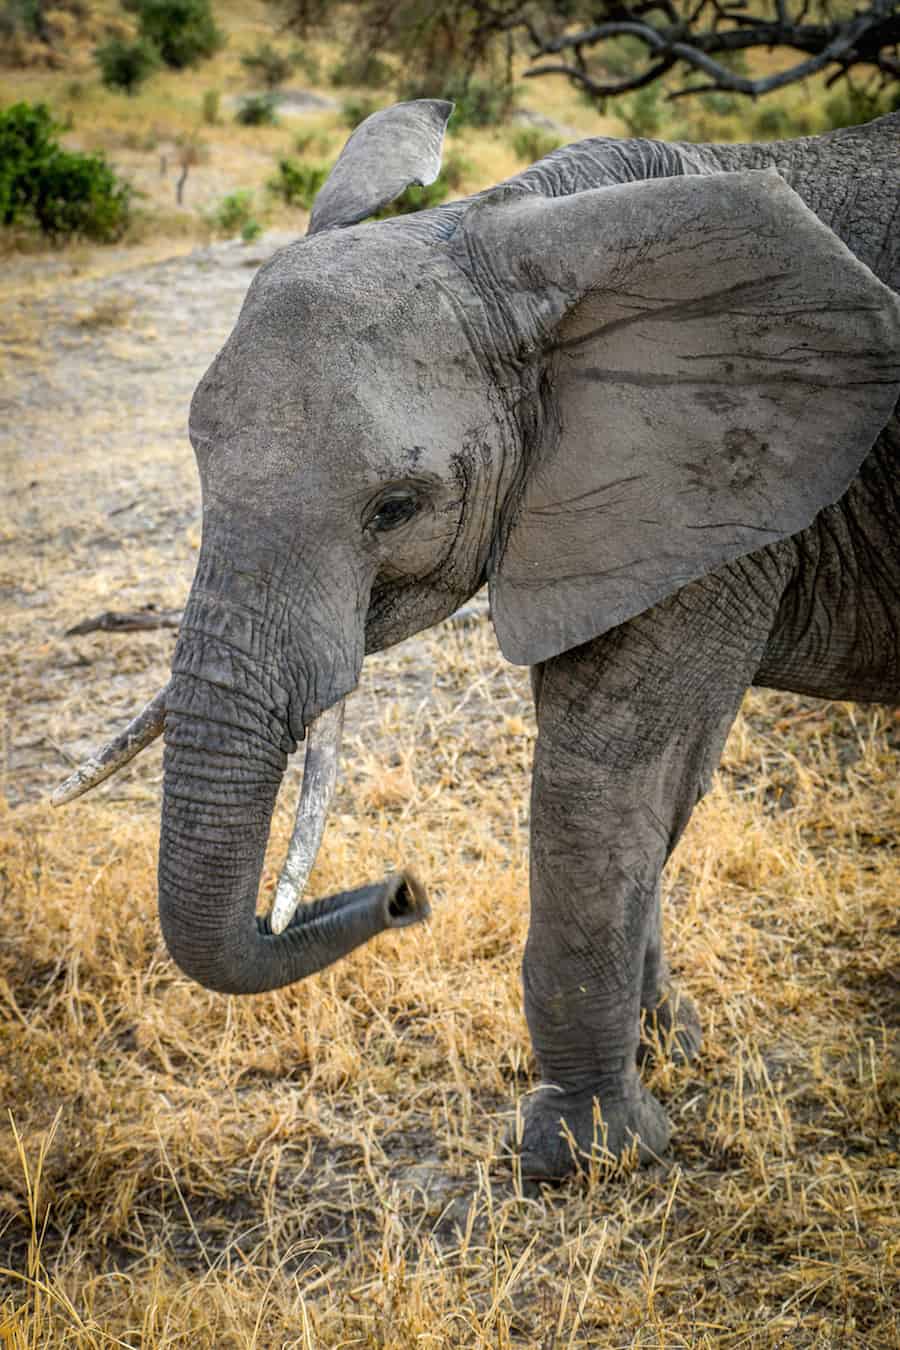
(220, 787)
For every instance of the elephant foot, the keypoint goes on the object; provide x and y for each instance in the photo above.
(563, 1131)
(672, 1028)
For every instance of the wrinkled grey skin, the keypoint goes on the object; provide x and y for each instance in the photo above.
(651, 398)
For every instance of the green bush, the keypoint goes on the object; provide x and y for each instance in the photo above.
(234, 214)
(297, 184)
(777, 123)
(356, 110)
(415, 198)
(771, 123)
(211, 100)
(623, 55)
(319, 142)
(80, 194)
(455, 170)
(62, 192)
(365, 69)
(641, 112)
(183, 31)
(23, 18)
(721, 103)
(851, 106)
(531, 143)
(479, 103)
(26, 141)
(257, 110)
(269, 65)
(125, 65)
(307, 62)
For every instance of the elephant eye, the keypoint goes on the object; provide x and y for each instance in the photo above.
(392, 511)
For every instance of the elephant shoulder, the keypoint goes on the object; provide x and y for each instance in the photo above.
(848, 178)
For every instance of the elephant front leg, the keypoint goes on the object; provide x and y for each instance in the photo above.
(594, 872)
(630, 729)
(669, 1021)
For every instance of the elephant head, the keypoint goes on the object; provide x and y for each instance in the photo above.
(587, 400)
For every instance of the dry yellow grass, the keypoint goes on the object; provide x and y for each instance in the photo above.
(322, 1167)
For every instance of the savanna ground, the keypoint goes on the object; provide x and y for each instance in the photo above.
(323, 1166)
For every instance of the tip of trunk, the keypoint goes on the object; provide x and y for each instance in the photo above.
(405, 900)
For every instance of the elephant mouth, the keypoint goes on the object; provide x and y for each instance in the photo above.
(320, 771)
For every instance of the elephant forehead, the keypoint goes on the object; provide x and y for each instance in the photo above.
(366, 301)
(351, 372)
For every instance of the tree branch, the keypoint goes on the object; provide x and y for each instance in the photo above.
(610, 89)
(867, 38)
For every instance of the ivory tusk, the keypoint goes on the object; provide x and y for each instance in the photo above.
(323, 748)
(137, 735)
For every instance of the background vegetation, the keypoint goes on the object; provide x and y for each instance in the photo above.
(323, 1166)
(228, 84)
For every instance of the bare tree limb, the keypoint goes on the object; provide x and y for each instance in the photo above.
(611, 88)
(870, 37)
(450, 39)
(116, 621)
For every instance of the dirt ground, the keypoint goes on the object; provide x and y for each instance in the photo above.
(323, 1166)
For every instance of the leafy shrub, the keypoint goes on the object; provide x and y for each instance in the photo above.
(356, 110)
(479, 103)
(531, 143)
(26, 140)
(49, 33)
(851, 106)
(771, 123)
(622, 56)
(211, 100)
(24, 14)
(641, 112)
(140, 138)
(250, 230)
(183, 31)
(125, 65)
(62, 192)
(257, 110)
(777, 123)
(415, 198)
(235, 213)
(317, 141)
(455, 170)
(364, 68)
(297, 184)
(80, 194)
(307, 62)
(721, 103)
(268, 64)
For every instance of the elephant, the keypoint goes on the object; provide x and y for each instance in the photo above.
(647, 393)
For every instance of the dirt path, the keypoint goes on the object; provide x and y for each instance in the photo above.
(102, 499)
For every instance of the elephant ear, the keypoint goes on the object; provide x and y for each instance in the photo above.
(716, 367)
(386, 153)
